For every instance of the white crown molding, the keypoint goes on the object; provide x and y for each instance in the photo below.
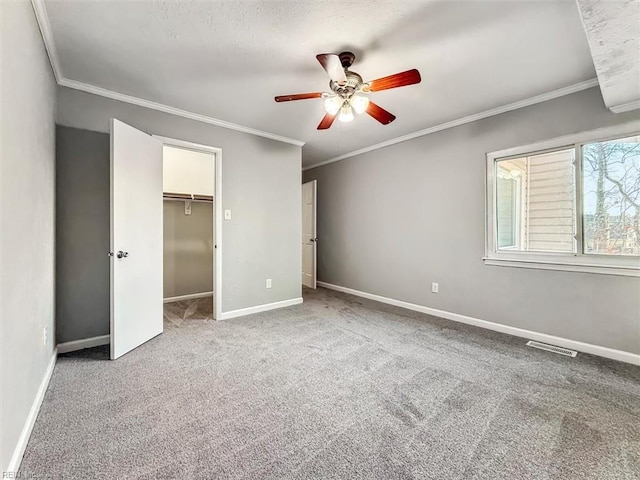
(625, 107)
(47, 36)
(468, 119)
(49, 43)
(141, 102)
(606, 352)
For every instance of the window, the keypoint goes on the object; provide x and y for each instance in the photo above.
(611, 196)
(535, 202)
(566, 204)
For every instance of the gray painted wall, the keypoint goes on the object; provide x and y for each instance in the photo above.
(394, 220)
(82, 234)
(260, 184)
(188, 248)
(27, 219)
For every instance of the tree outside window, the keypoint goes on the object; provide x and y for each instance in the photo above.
(611, 193)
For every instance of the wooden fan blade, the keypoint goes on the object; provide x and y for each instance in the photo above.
(402, 79)
(298, 96)
(327, 121)
(333, 66)
(380, 114)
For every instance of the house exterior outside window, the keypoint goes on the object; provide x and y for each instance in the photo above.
(571, 203)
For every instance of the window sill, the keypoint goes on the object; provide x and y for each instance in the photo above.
(625, 271)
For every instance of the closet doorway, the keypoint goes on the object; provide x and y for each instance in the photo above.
(191, 226)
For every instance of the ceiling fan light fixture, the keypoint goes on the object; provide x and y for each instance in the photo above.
(349, 93)
(346, 113)
(332, 104)
(359, 103)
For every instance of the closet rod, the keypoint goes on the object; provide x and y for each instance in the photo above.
(187, 196)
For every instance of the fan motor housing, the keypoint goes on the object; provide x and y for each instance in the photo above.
(353, 84)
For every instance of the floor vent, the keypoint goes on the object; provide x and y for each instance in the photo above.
(552, 348)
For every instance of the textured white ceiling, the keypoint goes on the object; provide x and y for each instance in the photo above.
(613, 31)
(229, 59)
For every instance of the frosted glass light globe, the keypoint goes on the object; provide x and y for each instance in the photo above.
(359, 103)
(332, 104)
(346, 114)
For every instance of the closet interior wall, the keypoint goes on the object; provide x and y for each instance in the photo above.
(188, 222)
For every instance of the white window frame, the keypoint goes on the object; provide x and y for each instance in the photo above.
(517, 210)
(574, 262)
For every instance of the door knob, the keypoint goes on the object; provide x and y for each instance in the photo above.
(313, 239)
(122, 254)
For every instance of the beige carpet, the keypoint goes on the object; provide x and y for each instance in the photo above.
(186, 311)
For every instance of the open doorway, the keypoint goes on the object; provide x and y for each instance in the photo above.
(136, 233)
(191, 270)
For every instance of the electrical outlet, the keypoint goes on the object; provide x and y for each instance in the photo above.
(434, 287)
(227, 214)
(268, 283)
(44, 336)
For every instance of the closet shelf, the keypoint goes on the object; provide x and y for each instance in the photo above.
(187, 196)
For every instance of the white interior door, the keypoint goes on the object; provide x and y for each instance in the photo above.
(136, 238)
(309, 239)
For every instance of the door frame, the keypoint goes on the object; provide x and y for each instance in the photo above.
(217, 201)
(315, 231)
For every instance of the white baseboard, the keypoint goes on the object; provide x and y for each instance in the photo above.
(18, 452)
(598, 350)
(187, 297)
(67, 347)
(260, 308)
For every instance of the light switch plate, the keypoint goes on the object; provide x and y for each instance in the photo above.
(227, 214)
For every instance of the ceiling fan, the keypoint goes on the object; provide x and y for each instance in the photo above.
(349, 93)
